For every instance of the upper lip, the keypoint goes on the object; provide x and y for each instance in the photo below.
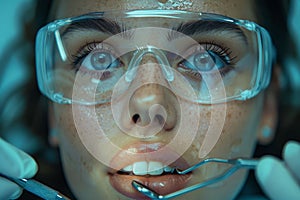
(142, 151)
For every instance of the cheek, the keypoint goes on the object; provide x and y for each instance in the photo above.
(237, 139)
(85, 174)
(87, 132)
(239, 134)
(235, 130)
(241, 127)
(74, 155)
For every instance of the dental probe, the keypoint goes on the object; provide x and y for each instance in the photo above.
(37, 188)
(236, 164)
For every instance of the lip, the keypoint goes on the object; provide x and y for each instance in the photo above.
(163, 184)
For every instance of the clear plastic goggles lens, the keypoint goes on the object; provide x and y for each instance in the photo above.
(81, 60)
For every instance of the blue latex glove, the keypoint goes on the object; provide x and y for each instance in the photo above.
(281, 179)
(17, 164)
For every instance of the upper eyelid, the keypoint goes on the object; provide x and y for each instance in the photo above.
(219, 49)
(201, 46)
(94, 44)
(91, 46)
(212, 45)
(86, 49)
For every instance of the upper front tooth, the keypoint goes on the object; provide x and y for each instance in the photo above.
(155, 168)
(128, 168)
(140, 168)
(144, 167)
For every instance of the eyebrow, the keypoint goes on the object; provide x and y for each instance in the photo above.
(101, 25)
(200, 26)
(188, 28)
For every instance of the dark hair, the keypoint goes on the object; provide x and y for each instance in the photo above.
(33, 115)
(30, 96)
(273, 15)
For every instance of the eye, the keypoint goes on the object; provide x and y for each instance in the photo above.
(203, 62)
(96, 56)
(206, 59)
(100, 60)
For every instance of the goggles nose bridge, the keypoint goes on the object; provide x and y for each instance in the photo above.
(159, 56)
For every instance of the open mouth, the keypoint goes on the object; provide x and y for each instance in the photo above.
(161, 179)
(151, 171)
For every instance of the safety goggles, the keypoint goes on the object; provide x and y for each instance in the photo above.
(204, 58)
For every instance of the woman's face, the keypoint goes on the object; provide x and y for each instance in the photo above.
(96, 142)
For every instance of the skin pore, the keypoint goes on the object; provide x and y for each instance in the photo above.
(89, 178)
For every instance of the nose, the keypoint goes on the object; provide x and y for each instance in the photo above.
(152, 102)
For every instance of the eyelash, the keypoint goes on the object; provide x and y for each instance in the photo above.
(224, 53)
(220, 50)
(86, 49)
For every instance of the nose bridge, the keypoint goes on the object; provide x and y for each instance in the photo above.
(150, 70)
(149, 59)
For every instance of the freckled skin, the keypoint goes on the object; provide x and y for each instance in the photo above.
(87, 176)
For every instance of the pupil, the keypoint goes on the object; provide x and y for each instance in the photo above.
(202, 58)
(101, 60)
(203, 61)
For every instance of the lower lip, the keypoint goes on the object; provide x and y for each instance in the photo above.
(163, 185)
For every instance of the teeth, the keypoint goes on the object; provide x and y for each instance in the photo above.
(155, 168)
(143, 168)
(128, 168)
(140, 168)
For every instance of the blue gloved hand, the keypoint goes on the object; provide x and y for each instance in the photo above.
(17, 164)
(281, 179)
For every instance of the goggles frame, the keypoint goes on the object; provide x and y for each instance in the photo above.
(266, 50)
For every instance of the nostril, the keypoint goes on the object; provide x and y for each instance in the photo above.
(161, 119)
(135, 118)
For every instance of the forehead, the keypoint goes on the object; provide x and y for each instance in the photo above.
(242, 9)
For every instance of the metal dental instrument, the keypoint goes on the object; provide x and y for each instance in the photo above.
(237, 164)
(37, 188)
